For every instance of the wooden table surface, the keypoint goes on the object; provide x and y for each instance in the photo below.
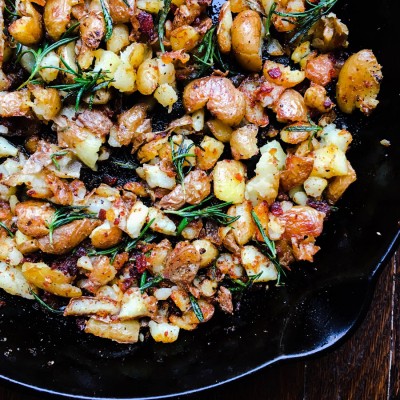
(367, 366)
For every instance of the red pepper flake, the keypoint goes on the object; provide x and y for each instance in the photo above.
(146, 25)
(141, 263)
(276, 208)
(102, 214)
(116, 221)
(239, 177)
(110, 180)
(274, 73)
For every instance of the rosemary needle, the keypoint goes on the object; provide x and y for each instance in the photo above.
(196, 308)
(162, 17)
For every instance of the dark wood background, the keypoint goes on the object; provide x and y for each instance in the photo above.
(367, 366)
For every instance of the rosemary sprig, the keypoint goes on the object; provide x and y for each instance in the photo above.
(306, 128)
(162, 17)
(306, 19)
(214, 212)
(179, 158)
(132, 244)
(85, 82)
(269, 247)
(4, 226)
(55, 156)
(107, 19)
(43, 304)
(126, 163)
(208, 54)
(11, 9)
(144, 284)
(242, 286)
(196, 308)
(269, 20)
(70, 30)
(66, 215)
(40, 54)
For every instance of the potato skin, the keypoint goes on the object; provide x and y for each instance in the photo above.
(219, 95)
(359, 83)
(246, 40)
(57, 17)
(103, 238)
(290, 107)
(297, 170)
(66, 237)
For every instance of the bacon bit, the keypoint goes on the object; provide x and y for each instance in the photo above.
(147, 25)
(102, 214)
(276, 208)
(321, 206)
(110, 180)
(274, 73)
(117, 221)
(166, 333)
(140, 263)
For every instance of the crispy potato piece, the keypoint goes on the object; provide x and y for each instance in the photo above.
(225, 20)
(27, 30)
(244, 142)
(50, 280)
(338, 185)
(106, 236)
(163, 332)
(229, 181)
(182, 264)
(320, 70)
(66, 237)
(305, 249)
(301, 221)
(280, 75)
(290, 107)
(92, 29)
(33, 217)
(188, 321)
(247, 40)
(208, 153)
(121, 332)
(47, 102)
(15, 104)
(119, 11)
(243, 228)
(297, 170)
(208, 251)
(13, 281)
(222, 99)
(84, 305)
(316, 97)
(295, 137)
(359, 83)
(221, 131)
(57, 16)
(255, 262)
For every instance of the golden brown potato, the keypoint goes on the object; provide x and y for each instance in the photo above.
(220, 130)
(188, 321)
(222, 99)
(27, 30)
(224, 28)
(244, 142)
(120, 332)
(47, 102)
(244, 228)
(338, 185)
(297, 170)
(184, 38)
(92, 29)
(295, 137)
(316, 97)
(119, 11)
(57, 16)
(320, 70)
(33, 217)
(15, 104)
(280, 75)
(247, 40)
(208, 153)
(106, 236)
(290, 107)
(66, 237)
(182, 264)
(359, 83)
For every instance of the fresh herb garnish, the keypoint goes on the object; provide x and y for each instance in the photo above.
(242, 286)
(196, 308)
(132, 244)
(70, 30)
(208, 54)
(214, 212)
(179, 158)
(306, 19)
(85, 82)
(55, 156)
(269, 20)
(43, 304)
(127, 164)
(4, 226)
(162, 17)
(66, 215)
(313, 128)
(269, 248)
(11, 9)
(107, 19)
(40, 54)
(152, 282)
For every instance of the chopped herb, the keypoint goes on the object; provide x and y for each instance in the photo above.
(131, 245)
(40, 54)
(303, 128)
(127, 164)
(4, 226)
(241, 286)
(112, 251)
(70, 30)
(107, 19)
(55, 156)
(196, 308)
(269, 247)
(66, 215)
(179, 158)
(162, 17)
(126, 3)
(43, 304)
(11, 9)
(269, 20)
(152, 282)
(306, 19)
(214, 212)
(85, 82)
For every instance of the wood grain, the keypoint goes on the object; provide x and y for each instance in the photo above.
(365, 367)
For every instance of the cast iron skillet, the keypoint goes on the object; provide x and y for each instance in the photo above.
(317, 308)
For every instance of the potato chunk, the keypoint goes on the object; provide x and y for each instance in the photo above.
(230, 181)
(359, 83)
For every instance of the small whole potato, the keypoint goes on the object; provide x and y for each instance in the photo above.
(247, 40)
(359, 83)
(290, 107)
